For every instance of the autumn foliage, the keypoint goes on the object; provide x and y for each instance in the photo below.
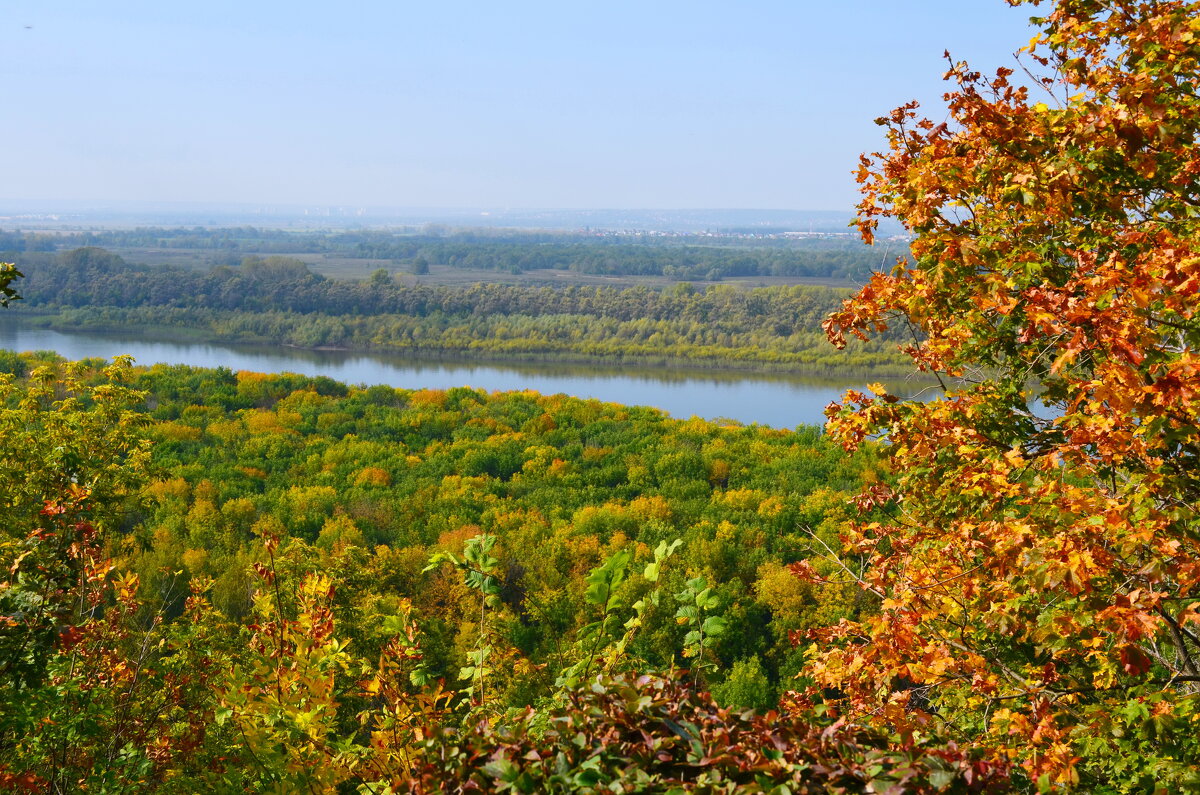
(305, 586)
(513, 624)
(1037, 560)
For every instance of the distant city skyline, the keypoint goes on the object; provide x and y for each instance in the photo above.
(666, 105)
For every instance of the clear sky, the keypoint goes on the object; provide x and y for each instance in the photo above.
(399, 103)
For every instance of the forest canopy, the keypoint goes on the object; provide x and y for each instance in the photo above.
(280, 300)
(281, 582)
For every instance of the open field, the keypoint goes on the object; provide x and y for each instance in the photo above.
(340, 267)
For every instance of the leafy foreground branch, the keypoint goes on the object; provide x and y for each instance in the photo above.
(655, 734)
(612, 733)
(1037, 561)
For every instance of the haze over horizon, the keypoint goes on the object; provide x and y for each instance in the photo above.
(463, 105)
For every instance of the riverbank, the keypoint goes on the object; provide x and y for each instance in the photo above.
(780, 400)
(544, 340)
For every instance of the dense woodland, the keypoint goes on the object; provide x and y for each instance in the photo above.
(283, 583)
(562, 484)
(280, 300)
(680, 257)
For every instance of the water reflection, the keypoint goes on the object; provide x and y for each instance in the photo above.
(780, 400)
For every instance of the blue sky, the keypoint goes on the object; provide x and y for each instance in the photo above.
(574, 104)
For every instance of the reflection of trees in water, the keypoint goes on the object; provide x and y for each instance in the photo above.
(418, 364)
(785, 398)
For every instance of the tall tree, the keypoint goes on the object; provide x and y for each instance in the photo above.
(1037, 562)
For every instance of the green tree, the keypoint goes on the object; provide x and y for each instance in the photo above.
(746, 687)
(8, 274)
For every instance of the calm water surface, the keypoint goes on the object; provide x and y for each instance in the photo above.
(781, 401)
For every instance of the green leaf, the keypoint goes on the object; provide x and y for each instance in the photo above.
(605, 579)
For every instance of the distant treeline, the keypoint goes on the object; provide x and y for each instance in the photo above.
(279, 300)
(685, 257)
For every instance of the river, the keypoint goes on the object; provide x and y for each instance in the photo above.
(777, 400)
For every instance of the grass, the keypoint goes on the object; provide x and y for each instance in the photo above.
(339, 267)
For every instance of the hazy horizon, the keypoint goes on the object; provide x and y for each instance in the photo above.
(669, 106)
(34, 215)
